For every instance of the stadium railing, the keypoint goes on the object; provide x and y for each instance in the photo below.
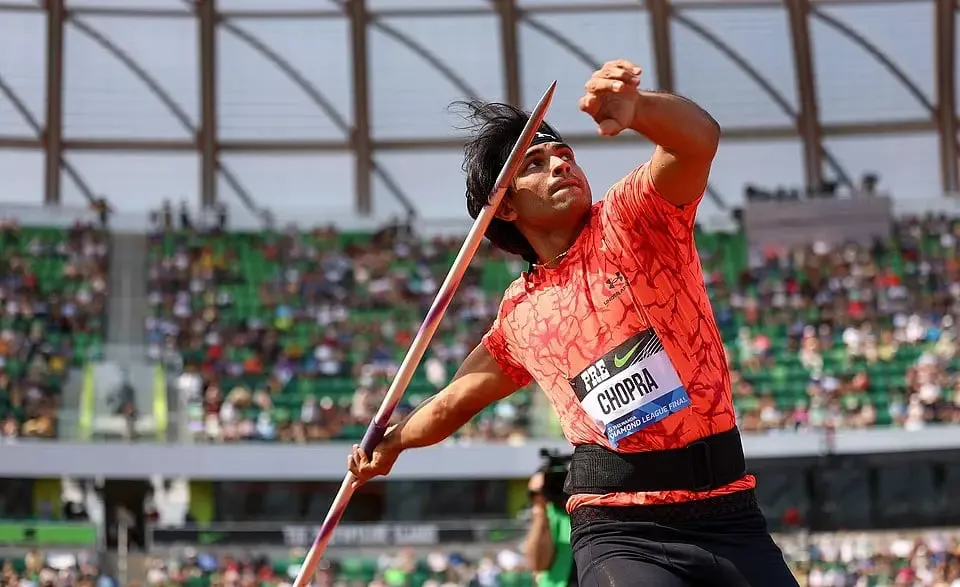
(123, 459)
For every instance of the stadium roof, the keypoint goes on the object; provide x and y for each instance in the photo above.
(303, 104)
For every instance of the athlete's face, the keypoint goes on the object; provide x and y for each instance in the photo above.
(550, 189)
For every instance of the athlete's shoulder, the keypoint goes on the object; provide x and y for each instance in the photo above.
(515, 295)
(634, 205)
(636, 181)
(605, 213)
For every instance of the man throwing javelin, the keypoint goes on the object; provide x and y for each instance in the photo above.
(613, 322)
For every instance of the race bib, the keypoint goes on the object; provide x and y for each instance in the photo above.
(631, 387)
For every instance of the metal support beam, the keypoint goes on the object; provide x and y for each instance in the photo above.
(207, 133)
(363, 150)
(945, 25)
(30, 143)
(892, 127)
(511, 51)
(751, 134)
(53, 125)
(662, 47)
(808, 116)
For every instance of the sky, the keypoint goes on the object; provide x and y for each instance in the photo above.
(409, 99)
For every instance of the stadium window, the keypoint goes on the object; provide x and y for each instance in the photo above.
(448, 499)
(783, 496)
(950, 495)
(239, 501)
(907, 496)
(16, 499)
(381, 501)
(844, 499)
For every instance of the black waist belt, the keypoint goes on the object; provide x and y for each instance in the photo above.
(703, 465)
(666, 513)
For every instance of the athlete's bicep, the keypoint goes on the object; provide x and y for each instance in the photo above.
(480, 381)
(636, 209)
(679, 179)
(496, 344)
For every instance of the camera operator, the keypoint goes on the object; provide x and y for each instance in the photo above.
(547, 545)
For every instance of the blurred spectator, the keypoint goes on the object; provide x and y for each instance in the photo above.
(124, 404)
(103, 209)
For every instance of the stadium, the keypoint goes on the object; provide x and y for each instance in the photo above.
(223, 221)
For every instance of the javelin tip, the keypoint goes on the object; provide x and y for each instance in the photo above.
(540, 110)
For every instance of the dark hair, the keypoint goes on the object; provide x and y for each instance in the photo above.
(495, 127)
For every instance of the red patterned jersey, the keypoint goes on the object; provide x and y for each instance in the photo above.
(621, 336)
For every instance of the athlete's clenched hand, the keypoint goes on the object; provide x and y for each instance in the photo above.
(365, 467)
(611, 96)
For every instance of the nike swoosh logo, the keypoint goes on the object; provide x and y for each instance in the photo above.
(619, 362)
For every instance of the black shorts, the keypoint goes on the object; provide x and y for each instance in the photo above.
(717, 542)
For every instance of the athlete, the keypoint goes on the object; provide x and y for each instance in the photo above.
(613, 322)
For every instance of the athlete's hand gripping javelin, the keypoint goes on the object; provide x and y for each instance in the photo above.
(611, 96)
(364, 467)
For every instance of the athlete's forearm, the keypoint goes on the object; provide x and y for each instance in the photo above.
(478, 383)
(676, 124)
(435, 419)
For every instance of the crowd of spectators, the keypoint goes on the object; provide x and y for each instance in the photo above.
(818, 337)
(327, 325)
(53, 287)
(870, 331)
(53, 569)
(931, 559)
(401, 568)
(928, 559)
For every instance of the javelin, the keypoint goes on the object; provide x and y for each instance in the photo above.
(378, 427)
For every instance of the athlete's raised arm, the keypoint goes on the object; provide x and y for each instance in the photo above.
(478, 383)
(685, 135)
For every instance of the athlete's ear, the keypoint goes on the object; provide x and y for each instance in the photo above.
(506, 211)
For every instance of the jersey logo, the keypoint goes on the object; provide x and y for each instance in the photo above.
(619, 362)
(617, 279)
(617, 284)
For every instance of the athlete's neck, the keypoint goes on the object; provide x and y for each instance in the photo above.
(553, 244)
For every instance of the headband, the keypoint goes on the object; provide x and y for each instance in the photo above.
(546, 135)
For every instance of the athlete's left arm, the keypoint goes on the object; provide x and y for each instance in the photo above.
(686, 137)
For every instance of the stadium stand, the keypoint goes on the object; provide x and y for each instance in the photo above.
(297, 334)
(275, 332)
(48, 568)
(878, 560)
(930, 558)
(847, 337)
(836, 560)
(53, 288)
(440, 568)
(294, 335)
